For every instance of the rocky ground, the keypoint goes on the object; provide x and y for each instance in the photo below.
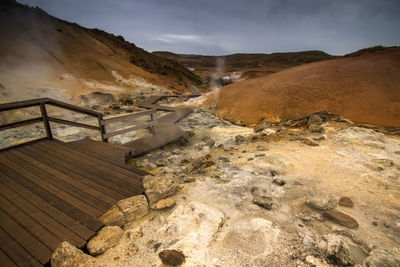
(316, 191)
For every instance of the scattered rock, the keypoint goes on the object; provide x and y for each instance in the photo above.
(279, 182)
(223, 159)
(261, 148)
(239, 139)
(259, 155)
(384, 162)
(321, 201)
(346, 202)
(165, 203)
(198, 165)
(341, 218)
(262, 126)
(171, 257)
(338, 250)
(134, 207)
(314, 120)
(160, 186)
(382, 258)
(68, 255)
(113, 217)
(261, 198)
(157, 246)
(310, 142)
(315, 262)
(106, 238)
(316, 128)
(319, 138)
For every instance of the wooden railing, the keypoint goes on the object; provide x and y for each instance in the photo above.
(46, 119)
(149, 125)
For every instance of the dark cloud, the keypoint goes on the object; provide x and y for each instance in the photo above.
(223, 27)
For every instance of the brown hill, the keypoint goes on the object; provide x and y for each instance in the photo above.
(249, 65)
(365, 89)
(41, 55)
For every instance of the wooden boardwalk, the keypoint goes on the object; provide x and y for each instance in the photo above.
(52, 191)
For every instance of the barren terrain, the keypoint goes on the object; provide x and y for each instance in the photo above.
(364, 89)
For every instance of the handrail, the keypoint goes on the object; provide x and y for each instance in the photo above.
(126, 116)
(42, 102)
(38, 101)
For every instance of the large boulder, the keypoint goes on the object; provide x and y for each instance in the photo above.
(106, 238)
(67, 255)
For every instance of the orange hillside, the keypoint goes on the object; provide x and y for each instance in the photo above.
(365, 89)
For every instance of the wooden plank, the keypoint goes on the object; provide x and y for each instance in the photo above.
(130, 129)
(74, 108)
(73, 180)
(36, 229)
(24, 144)
(5, 261)
(73, 171)
(96, 164)
(20, 123)
(15, 251)
(110, 175)
(128, 116)
(41, 217)
(74, 188)
(73, 123)
(116, 154)
(71, 224)
(49, 197)
(30, 174)
(23, 104)
(36, 248)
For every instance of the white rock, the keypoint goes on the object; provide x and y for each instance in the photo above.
(134, 207)
(106, 238)
(160, 186)
(194, 225)
(66, 255)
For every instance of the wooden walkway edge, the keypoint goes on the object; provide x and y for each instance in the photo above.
(51, 192)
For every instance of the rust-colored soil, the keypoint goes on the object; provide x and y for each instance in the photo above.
(365, 89)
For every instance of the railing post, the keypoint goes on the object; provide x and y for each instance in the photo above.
(152, 129)
(46, 121)
(102, 128)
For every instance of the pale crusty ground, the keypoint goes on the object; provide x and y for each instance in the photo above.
(218, 225)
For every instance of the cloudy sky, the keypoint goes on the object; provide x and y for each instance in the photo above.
(218, 27)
